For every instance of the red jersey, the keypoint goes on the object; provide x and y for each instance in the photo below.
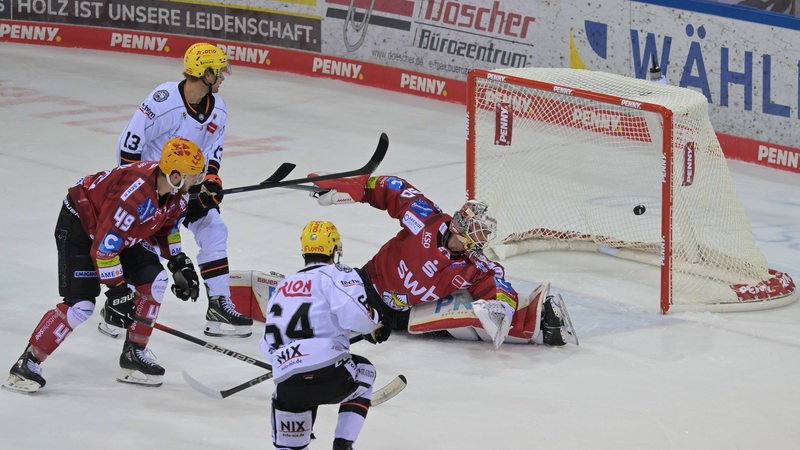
(416, 266)
(119, 208)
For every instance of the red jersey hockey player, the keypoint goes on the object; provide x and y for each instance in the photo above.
(105, 224)
(436, 255)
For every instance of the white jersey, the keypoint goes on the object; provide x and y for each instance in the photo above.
(164, 115)
(310, 317)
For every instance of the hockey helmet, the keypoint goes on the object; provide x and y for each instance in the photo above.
(473, 226)
(321, 237)
(182, 156)
(202, 56)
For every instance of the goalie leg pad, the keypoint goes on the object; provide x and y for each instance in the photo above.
(495, 318)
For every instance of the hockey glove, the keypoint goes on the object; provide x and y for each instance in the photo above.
(120, 308)
(379, 334)
(185, 282)
(210, 195)
(341, 190)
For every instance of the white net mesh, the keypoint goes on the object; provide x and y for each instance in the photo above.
(562, 168)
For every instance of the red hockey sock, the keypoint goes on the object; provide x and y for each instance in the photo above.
(51, 331)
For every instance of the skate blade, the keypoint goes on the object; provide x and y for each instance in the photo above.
(217, 329)
(131, 376)
(20, 385)
(108, 330)
(572, 336)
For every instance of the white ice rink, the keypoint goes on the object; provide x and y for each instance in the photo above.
(639, 380)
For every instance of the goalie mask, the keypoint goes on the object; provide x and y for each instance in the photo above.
(321, 238)
(182, 156)
(473, 226)
(202, 56)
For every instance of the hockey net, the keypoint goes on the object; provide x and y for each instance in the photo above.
(572, 159)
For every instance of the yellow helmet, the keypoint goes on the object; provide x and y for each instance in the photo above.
(182, 156)
(320, 237)
(202, 56)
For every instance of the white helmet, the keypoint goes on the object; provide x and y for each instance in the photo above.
(473, 226)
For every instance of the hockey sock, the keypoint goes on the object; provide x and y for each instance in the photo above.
(147, 306)
(50, 332)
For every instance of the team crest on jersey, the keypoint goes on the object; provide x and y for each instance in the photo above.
(146, 209)
(160, 95)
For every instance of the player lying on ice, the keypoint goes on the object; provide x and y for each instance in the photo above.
(433, 273)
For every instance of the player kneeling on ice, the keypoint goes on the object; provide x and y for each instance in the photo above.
(436, 255)
(103, 225)
(309, 320)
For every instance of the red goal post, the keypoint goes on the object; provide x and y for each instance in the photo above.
(573, 159)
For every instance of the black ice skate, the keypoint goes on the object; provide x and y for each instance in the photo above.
(138, 366)
(556, 324)
(223, 320)
(26, 374)
(342, 444)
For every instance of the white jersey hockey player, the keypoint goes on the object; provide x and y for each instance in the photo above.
(192, 109)
(309, 320)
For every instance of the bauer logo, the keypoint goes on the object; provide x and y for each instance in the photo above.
(688, 162)
(503, 123)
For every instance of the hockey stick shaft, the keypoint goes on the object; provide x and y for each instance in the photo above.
(381, 395)
(369, 167)
(240, 387)
(280, 173)
(206, 344)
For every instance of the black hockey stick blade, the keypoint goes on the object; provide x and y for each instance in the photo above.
(280, 173)
(369, 167)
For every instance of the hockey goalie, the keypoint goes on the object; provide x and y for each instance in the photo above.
(434, 275)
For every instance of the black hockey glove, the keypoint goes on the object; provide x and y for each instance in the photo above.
(120, 308)
(380, 333)
(185, 284)
(210, 195)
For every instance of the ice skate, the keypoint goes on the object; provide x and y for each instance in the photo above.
(107, 329)
(138, 366)
(224, 320)
(25, 375)
(556, 324)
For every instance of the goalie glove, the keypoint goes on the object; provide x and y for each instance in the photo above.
(210, 195)
(495, 317)
(185, 284)
(341, 191)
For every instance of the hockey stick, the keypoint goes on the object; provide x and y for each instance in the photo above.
(202, 343)
(198, 386)
(280, 173)
(369, 167)
(381, 395)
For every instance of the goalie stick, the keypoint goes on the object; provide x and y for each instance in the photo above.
(369, 167)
